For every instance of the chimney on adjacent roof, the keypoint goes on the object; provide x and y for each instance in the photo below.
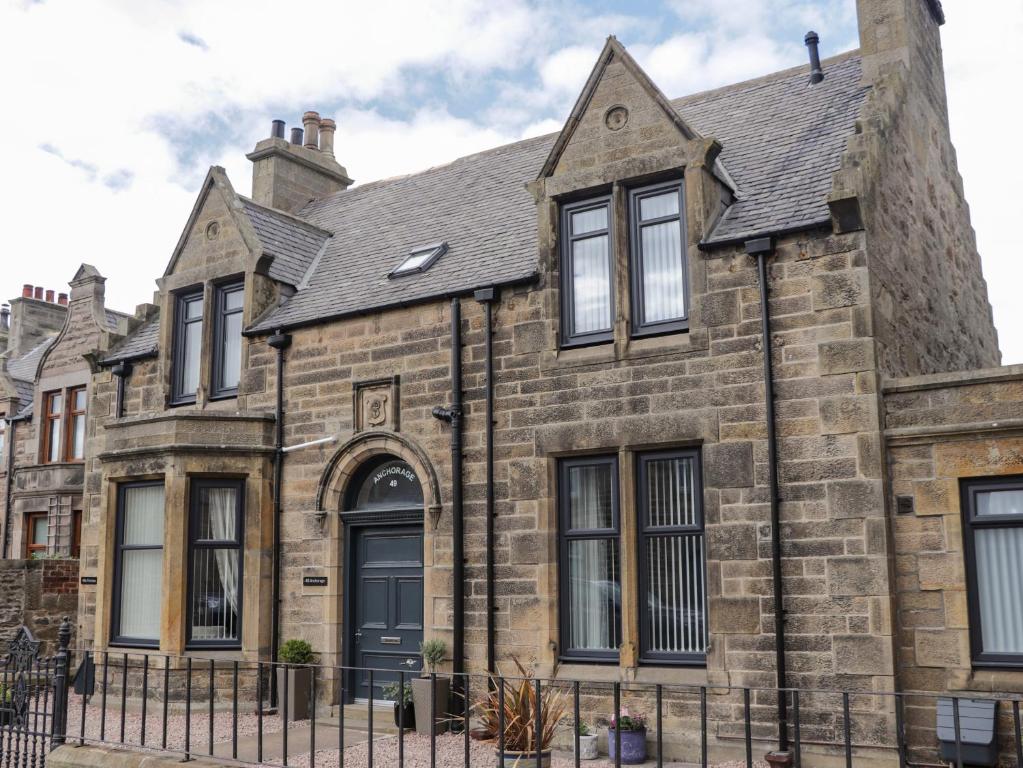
(287, 175)
(62, 299)
(30, 319)
(38, 293)
(5, 317)
(26, 291)
(812, 41)
(50, 295)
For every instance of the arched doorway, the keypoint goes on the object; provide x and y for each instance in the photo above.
(383, 521)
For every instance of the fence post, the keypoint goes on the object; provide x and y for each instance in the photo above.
(58, 723)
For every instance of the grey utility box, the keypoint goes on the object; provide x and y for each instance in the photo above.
(977, 742)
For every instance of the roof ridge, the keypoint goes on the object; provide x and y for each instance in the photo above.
(284, 214)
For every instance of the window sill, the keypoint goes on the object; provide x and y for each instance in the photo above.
(596, 672)
(633, 349)
(988, 680)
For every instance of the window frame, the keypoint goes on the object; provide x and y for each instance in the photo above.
(30, 547)
(969, 488)
(196, 484)
(70, 414)
(220, 291)
(662, 658)
(566, 535)
(640, 328)
(117, 639)
(435, 251)
(49, 417)
(569, 337)
(181, 299)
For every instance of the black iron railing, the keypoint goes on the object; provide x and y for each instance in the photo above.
(212, 707)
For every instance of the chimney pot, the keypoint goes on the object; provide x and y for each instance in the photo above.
(38, 292)
(296, 136)
(277, 129)
(49, 295)
(62, 299)
(26, 291)
(311, 121)
(812, 40)
(327, 128)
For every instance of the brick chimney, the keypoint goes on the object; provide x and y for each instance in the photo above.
(32, 317)
(287, 175)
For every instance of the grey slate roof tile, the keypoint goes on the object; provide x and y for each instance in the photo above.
(23, 371)
(293, 244)
(781, 142)
(143, 342)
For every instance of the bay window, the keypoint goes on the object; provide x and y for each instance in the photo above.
(138, 565)
(589, 556)
(993, 522)
(214, 555)
(586, 269)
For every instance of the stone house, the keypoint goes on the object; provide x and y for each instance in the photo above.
(595, 400)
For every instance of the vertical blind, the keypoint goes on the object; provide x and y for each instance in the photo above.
(591, 271)
(662, 275)
(141, 562)
(674, 553)
(594, 589)
(231, 338)
(215, 572)
(999, 571)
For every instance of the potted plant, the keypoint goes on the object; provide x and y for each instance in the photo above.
(632, 734)
(522, 741)
(587, 742)
(404, 712)
(295, 656)
(433, 652)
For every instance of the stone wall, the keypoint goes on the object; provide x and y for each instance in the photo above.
(38, 594)
(940, 430)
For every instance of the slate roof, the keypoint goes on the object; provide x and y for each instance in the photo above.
(23, 370)
(142, 343)
(781, 142)
(293, 243)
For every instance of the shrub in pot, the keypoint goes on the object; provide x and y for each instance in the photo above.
(587, 742)
(294, 657)
(522, 742)
(632, 736)
(404, 712)
(428, 691)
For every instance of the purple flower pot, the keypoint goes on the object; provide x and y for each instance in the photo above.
(633, 746)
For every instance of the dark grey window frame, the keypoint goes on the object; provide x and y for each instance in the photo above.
(640, 328)
(181, 298)
(971, 523)
(220, 291)
(193, 524)
(643, 533)
(569, 338)
(116, 638)
(438, 250)
(565, 535)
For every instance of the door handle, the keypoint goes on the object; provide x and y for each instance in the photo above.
(358, 637)
(409, 663)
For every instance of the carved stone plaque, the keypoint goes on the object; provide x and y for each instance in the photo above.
(376, 404)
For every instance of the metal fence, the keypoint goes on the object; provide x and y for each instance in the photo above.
(211, 707)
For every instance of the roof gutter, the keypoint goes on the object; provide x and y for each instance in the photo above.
(766, 234)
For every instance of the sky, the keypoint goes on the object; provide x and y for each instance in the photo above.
(112, 111)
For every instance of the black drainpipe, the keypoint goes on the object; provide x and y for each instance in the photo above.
(10, 482)
(762, 248)
(279, 341)
(453, 415)
(122, 371)
(486, 297)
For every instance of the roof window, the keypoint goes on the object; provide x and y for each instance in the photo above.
(420, 259)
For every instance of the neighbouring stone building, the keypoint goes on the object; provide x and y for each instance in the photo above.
(530, 402)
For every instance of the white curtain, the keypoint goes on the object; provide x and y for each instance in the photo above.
(663, 286)
(232, 351)
(1000, 573)
(222, 506)
(1000, 503)
(591, 284)
(215, 587)
(142, 569)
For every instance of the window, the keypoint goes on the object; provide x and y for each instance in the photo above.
(590, 577)
(673, 604)
(993, 523)
(227, 346)
(657, 259)
(419, 260)
(187, 347)
(37, 534)
(76, 533)
(53, 407)
(138, 567)
(214, 553)
(587, 303)
(75, 445)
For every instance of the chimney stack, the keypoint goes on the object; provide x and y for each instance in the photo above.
(812, 41)
(38, 293)
(296, 136)
(277, 129)
(62, 299)
(327, 128)
(26, 291)
(50, 294)
(311, 121)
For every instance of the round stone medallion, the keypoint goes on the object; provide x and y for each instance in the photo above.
(213, 230)
(616, 117)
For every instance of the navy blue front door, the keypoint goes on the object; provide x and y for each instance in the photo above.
(387, 604)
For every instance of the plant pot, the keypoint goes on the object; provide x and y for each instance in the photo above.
(6, 716)
(588, 747)
(424, 705)
(409, 716)
(511, 759)
(300, 683)
(633, 746)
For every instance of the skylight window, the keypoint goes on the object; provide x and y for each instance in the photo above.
(420, 259)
